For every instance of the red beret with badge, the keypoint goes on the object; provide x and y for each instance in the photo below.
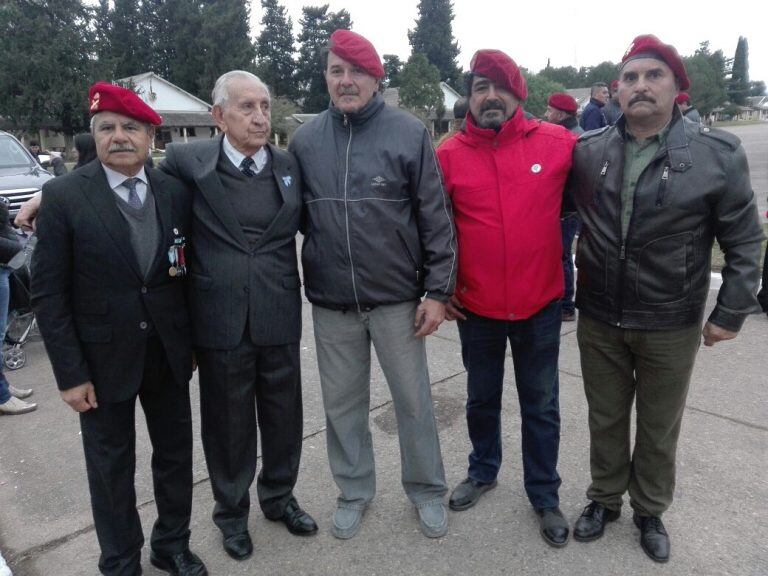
(648, 46)
(357, 50)
(497, 66)
(106, 97)
(564, 102)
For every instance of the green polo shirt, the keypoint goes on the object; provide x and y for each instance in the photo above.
(637, 156)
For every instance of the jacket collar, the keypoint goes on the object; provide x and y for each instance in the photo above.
(361, 116)
(677, 149)
(516, 127)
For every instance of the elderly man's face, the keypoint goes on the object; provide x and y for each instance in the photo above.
(122, 143)
(490, 104)
(554, 115)
(647, 90)
(349, 86)
(245, 117)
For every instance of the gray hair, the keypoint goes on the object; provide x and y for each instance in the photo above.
(220, 93)
(146, 125)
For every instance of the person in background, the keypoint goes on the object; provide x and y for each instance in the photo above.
(85, 149)
(612, 109)
(593, 118)
(561, 109)
(11, 398)
(684, 101)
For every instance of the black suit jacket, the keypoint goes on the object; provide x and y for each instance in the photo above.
(232, 281)
(93, 305)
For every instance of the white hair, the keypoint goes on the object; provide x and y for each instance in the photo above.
(146, 125)
(220, 93)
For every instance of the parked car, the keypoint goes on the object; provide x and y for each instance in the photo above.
(21, 175)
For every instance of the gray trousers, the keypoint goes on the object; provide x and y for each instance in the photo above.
(652, 368)
(343, 341)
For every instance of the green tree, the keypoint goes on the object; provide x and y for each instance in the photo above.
(757, 88)
(393, 66)
(317, 25)
(275, 50)
(433, 37)
(420, 90)
(179, 55)
(568, 76)
(604, 72)
(282, 108)
(130, 43)
(46, 63)
(539, 89)
(706, 71)
(738, 87)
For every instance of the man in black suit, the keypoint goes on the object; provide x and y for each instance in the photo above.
(113, 315)
(246, 306)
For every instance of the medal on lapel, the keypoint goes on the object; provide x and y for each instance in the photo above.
(176, 255)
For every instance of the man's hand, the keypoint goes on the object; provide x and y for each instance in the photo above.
(713, 334)
(429, 315)
(453, 309)
(80, 398)
(25, 219)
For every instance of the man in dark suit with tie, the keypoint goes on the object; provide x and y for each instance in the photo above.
(113, 315)
(246, 307)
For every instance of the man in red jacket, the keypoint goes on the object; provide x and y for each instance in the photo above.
(506, 174)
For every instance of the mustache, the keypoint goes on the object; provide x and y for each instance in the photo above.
(492, 105)
(122, 149)
(348, 91)
(641, 98)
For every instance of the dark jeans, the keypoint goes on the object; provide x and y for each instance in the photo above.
(570, 226)
(535, 346)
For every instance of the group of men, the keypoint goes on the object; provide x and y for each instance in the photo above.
(135, 268)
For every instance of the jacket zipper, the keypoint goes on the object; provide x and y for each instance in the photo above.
(662, 186)
(346, 214)
(601, 182)
(408, 254)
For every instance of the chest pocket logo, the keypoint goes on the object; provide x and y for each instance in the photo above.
(378, 182)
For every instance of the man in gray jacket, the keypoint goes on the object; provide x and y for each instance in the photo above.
(378, 236)
(653, 192)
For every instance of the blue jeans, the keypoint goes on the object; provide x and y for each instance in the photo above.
(535, 346)
(570, 226)
(5, 293)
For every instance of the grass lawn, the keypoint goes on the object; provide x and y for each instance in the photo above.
(718, 259)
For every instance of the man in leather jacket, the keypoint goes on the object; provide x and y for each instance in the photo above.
(653, 192)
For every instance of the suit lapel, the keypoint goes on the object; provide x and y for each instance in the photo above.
(285, 180)
(210, 186)
(102, 198)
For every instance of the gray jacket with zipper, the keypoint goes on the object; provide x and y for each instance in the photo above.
(695, 190)
(377, 224)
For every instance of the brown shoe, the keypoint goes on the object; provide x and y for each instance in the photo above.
(16, 406)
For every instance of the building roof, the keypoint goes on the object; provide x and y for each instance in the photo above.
(163, 95)
(187, 119)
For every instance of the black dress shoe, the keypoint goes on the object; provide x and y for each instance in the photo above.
(298, 522)
(181, 564)
(553, 526)
(653, 537)
(467, 493)
(238, 546)
(591, 523)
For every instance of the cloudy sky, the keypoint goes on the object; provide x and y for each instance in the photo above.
(567, 33)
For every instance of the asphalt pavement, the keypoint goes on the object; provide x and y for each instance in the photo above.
(717, 523)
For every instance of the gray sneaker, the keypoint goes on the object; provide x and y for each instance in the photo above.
(347, 521)
(20, 393)
(16, 406)
(433, 519)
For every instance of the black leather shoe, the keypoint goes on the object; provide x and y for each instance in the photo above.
(591, 523)
(298, 522)
(553, 526)
(181, 564)
(653, 537)
(466, 494)
(238, 546)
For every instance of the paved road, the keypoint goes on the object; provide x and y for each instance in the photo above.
(718, 524)
(754, 138)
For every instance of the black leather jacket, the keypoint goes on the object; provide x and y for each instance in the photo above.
(696, 189)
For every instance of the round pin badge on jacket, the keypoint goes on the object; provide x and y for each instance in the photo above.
(536, 168)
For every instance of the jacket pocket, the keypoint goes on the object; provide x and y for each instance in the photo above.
(94, 334)
(592, 262)
(664, 269)
(409, 256)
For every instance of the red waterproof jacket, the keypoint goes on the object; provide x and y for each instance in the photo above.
(507, 189)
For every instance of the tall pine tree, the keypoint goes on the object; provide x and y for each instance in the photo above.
(317, 25)
(433, 37)
(738, 88)
(274, 50)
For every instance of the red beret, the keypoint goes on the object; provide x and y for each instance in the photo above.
(106, 97)
(682, 97)
(648, 46)
(564, 102)
(358, 51)
(497, 66)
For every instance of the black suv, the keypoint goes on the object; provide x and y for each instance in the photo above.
(20, 174)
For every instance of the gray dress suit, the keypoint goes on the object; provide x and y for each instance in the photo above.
(246, 310)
